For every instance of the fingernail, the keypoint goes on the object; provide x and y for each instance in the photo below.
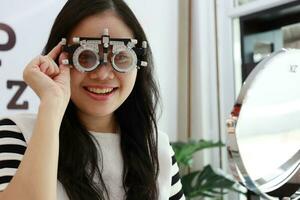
(65, 61)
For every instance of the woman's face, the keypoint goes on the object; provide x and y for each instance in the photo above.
(97, 94)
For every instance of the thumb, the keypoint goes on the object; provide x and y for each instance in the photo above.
(64, 74)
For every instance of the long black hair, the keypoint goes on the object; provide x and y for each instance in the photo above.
(78, 153)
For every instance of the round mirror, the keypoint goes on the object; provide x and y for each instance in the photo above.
(264, 128)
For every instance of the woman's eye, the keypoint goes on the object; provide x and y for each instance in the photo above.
(87, 59)
(83, 58)
(122, 58)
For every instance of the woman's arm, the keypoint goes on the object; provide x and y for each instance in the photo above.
(36, 177)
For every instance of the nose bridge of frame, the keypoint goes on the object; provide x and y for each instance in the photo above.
(103, 69)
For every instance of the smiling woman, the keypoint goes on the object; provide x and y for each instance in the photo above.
(95, 134)
(87, 88)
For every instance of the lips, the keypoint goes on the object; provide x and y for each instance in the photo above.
(99, 90)
(100, 93)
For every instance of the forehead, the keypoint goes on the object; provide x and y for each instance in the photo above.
(94, 25)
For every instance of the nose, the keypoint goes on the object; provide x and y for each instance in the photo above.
(102, 72)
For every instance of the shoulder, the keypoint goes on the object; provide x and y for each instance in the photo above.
(164, 150)
(24, 122)
(164, 146)
(169, 178)
(12, 149)
(165, 165)
(163, 138)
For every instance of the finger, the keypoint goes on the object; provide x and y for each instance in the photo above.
(64, 75)
(44, 64)
(63, 56)
(31, 67)
(36, 61)
(56, 69)
(64, 68)
(51, 62)
(54, 53)
(52, 69)
(48, 66)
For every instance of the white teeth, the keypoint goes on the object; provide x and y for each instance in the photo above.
(100, 91)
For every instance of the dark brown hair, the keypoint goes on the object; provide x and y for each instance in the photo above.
(136, 117)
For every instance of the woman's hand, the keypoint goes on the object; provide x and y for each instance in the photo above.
(48, 80)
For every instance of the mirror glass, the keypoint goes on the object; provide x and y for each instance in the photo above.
(264, 129)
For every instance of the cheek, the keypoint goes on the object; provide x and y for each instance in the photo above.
(128, 80)
(76, 79)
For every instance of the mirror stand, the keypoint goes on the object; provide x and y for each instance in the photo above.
(252, 196)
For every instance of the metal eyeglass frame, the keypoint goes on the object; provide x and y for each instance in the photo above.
(92, 44)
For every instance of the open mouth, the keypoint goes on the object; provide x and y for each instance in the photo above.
(100, 91)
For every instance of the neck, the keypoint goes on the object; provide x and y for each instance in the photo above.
(103, 124)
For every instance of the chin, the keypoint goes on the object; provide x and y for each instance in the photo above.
(100, 113)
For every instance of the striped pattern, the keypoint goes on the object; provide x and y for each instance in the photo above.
(176, 187)
(12, 149)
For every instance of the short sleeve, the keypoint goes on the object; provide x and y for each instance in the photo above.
(176, 187)
(12, 149)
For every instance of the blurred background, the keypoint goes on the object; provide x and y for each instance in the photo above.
(203, 51)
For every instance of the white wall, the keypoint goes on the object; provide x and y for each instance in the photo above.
(32, 25)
